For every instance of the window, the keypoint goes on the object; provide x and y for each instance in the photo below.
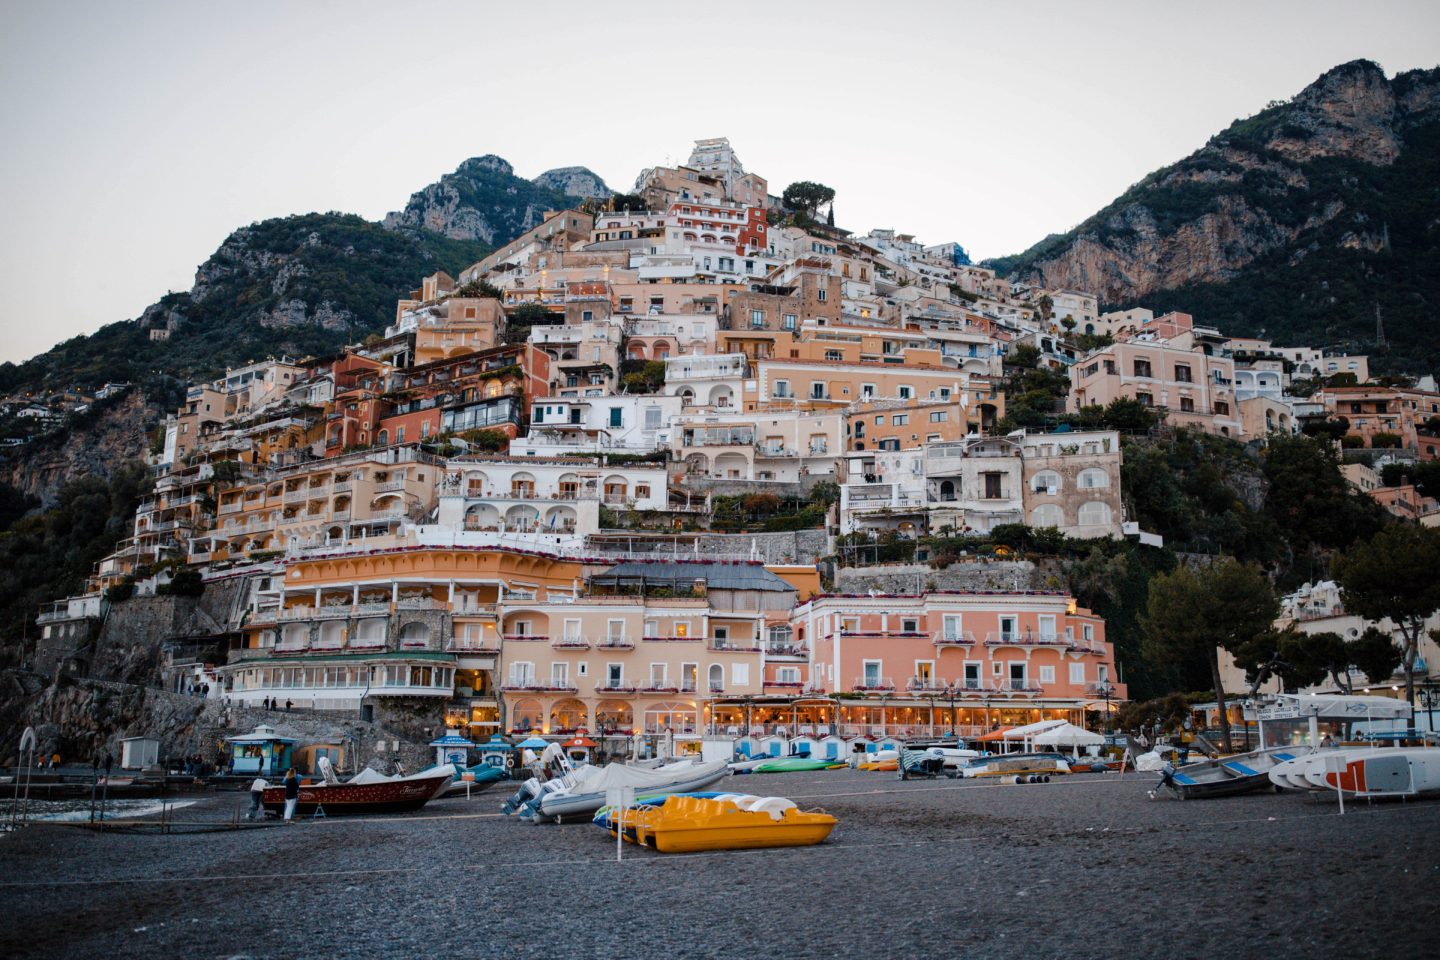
(1088, 632)
(872, 673)
(1222, 409)
(972, 676)
(617, 416)
(952, 626)
(782, 388)
(909, 625)
(901, 419)
(1094, 514)
(1142, 368)
(652, 418)
(1077, 673)
(587, 315)
(821, 295)
(1187, 405)
(1046, 481)
(834, 355)
(1007, 628)
(939, 416)
(905, 392)
(1145, 399)
(1047, 515)
(817, 391)
(1182, 373)
(789, 321)
(1093, 479)
(740, 674)
(1047, 674)
(757, 318)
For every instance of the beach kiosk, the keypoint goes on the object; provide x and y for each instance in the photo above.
(138, 753)
(805, 745)
(771, 745)
(261, 752)
(452, 748)
(495, 751)
(579, 749)
(832, 747)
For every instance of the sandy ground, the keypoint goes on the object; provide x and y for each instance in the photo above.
(1084, 866)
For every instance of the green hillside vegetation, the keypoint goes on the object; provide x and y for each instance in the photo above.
(337, 259)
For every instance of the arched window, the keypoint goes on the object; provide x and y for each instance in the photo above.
(415, 634)
(1046, 481)
(1047, 515)
(1096, 513)
(947, 490)
(717, 678)
(383, 437)
(1093, 479)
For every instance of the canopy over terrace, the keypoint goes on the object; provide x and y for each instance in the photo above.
(1067, 735)
(1290, 710)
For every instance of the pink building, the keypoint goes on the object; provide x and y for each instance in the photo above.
(910, 664)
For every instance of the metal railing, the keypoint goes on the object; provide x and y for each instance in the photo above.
(873, 683)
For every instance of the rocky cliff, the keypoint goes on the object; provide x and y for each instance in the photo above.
(93, 447)
(1313, 212)
(484, 200)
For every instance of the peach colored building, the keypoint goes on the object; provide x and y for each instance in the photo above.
(1196, 387)
(1411, 415)
(993, 658)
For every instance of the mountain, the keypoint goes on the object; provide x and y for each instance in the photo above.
(300, 285)
(484, 200)
(1297, 222)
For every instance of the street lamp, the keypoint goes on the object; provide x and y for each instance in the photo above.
(1430, 697)
(952, 713)
(1105, 690)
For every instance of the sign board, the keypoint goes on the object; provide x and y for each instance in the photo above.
(617, 799)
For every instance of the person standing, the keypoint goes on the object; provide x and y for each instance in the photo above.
(257, 799)
(292, 793)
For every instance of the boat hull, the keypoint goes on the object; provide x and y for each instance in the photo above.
(566, 808)
(697, 839)
(342, 799)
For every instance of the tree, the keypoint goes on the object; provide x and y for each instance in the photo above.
(1309, 498)
(1192, 614)
(1128, 416)
(1046, 307)
(1394, 575)
(628, 201)
(807, 197)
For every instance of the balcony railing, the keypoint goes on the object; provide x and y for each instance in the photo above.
(462, 645)
(865, 684)
(390, 486)
(927, 685)
(1027, 638)
(660, 686)
(615, 643)
(538, 686)
(614, 686)
(1012, 685)
(783, 684)
(960, 638)
(420, 603)
(570, 643)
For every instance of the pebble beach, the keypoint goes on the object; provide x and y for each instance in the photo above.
(1084, 866)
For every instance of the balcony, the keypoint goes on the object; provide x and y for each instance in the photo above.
(295, 496)
(462, 645)
(726, 646)
(615, 643)
(420, 603)
(660, 685)
(787, 650)
(570, 643)
(1026, 639)
(871, 684)
(532, 685)
(1014, 685)
(715, 686)
(927, 685)
(614, 686)
(671, 639)
(962, 638)
(787, 685)
(390, 486)
(342, 486)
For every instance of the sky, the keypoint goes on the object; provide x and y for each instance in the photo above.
(136, 136)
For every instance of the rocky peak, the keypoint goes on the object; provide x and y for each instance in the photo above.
(574, 182)
(1350, 111)
(477, 166)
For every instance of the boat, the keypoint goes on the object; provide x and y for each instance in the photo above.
(1016, 764)
(366, 792)
(578, 793)
(473, 779)
(689, 824)
(1225, 776)
(795, 765)
(1367, 772)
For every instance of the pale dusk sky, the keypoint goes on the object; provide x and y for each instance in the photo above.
(138, 135)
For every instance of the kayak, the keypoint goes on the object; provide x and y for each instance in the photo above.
(795, 764)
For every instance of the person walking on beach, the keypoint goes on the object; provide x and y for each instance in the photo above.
(292, 793)
(257, 799)
(288, 705)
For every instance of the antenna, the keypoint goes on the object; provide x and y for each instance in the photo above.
(1379, 327)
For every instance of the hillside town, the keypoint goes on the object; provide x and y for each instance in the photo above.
(595, 483)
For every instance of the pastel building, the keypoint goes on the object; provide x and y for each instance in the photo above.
(654, 647)
(1184, 374)
(911, 664)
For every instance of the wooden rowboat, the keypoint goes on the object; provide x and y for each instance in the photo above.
(379, 795)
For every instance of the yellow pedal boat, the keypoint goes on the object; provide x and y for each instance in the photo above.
(693, 824)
